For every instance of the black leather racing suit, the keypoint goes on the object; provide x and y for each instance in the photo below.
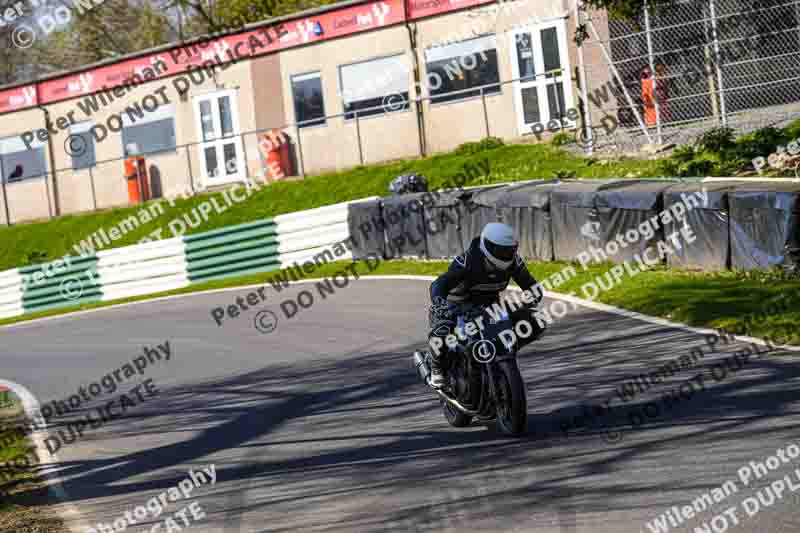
(471, 280)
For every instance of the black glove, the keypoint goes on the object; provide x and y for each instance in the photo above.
(538, 295)
(439, 311)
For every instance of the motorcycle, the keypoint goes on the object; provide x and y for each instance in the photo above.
(482, 379)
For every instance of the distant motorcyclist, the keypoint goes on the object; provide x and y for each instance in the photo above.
(478, 277)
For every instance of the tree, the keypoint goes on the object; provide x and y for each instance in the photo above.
(12, 59)
(227, 15)
(114, 28)
(617, 8)
(118, 27)
(626, 9)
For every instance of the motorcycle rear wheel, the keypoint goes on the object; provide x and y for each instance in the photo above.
(512, 405)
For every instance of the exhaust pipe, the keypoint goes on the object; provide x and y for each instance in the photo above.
(423, 370)
(455, 403)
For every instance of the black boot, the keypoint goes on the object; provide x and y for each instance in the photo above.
(437, 376)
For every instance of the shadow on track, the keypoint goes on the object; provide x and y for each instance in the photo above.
(357, 443)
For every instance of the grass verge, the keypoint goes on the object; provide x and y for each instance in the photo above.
(736, 302)
(718, 152)
(28, 244)
(19, 512)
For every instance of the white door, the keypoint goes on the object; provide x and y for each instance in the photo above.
(221, 154)
(543, 94)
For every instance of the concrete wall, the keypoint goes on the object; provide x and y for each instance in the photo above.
(264, 97)
(270, 110)
(447, 125)
(597, 70)
(451, 124)
(335, 145)
(267, 87)
(75, 191)
(28, 200)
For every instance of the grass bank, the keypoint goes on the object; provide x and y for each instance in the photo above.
(19, 512)
(27, 244)
(737, 302)
(719, 152)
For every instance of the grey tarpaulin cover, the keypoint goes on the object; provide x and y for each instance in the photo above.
(404, 228)
(479, 213)
(366, 227)
(764, 225)
(709, 223)
(444, 215)
(475, 216)
(525, 207)
(625, 207)
(575, 220)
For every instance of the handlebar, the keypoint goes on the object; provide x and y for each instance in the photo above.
(470, 311)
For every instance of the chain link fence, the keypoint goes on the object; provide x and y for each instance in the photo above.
(685, 66)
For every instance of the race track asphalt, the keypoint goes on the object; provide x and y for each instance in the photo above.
(322, 425)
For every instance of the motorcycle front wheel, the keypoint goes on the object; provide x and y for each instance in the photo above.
(511, 403)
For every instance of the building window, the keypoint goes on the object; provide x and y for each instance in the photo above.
(462, 66)
(18, 162)
(550, 53)
(375, 87)
(149, 132)
(309, 107)
(81, 146)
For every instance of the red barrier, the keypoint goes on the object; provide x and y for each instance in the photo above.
(136, 175)
(275, 148)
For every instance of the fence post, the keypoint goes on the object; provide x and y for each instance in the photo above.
(56, 205)
(5, 192)
(47, 193)
(723, 112)
(191, 174)
(94, 194)
(244, 153)
(653, 75)
(584, 87)
(559, 108)
(420, 133)
(300, 153)
(358, 134)
(485, 113)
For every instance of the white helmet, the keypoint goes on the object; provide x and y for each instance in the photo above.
(498, 244)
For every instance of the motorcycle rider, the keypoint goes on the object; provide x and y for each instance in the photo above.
(477, 277)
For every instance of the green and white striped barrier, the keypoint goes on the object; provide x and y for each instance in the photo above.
(164, 265)
(267, 244)
(142, 269)
(67, 281)
(10, 293)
